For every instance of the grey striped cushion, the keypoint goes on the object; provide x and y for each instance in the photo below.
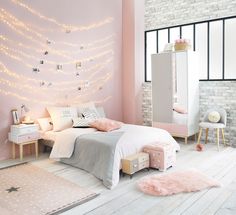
(90, 114)
(81, 123)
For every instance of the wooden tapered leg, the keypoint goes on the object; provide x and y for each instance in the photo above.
(186, 140)
(36, 149)
(199, 135)
(31, 149)
(206, 135)
(218, 138)
(223, 136)
(21, 152)
(13, 150)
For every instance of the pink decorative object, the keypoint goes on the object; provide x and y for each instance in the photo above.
(162, 155)
(178, 108)
(199, 147)
(182, 44)
(177, 182)
(104, 124)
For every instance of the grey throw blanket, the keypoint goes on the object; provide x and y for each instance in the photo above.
(95, 153)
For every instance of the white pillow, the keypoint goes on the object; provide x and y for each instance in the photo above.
(62, 117)
(214, 116)
(45, 124)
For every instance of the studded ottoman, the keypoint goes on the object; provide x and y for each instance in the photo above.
(161, 155)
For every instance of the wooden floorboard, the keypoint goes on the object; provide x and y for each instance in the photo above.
(127, 199)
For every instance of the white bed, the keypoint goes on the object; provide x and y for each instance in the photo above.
(49, 135)
(132, 141)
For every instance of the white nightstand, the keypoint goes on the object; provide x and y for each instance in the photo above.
(23, 135)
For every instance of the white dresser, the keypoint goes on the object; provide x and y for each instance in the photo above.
(23, 135)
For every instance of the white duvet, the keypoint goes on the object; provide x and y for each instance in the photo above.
(132, 141)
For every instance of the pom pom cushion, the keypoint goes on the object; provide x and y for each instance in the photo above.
(104, 124)
(214, 116)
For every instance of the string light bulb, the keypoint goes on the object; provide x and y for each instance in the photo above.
(63, 27)
(86, 87)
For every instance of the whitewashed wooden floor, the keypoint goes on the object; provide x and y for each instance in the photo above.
(126, 199)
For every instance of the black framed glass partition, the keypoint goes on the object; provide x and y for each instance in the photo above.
(214, 40)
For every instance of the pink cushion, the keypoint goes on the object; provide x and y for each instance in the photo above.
(104, 124)
(179, 109)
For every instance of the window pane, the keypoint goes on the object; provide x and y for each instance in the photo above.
(230, 47)
(151, 49)
(187, 33)
(174, 34)
(162, 39)
(216, 49)
(201, 49)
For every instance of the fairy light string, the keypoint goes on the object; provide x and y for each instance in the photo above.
(73, 89)
(60, 84)
(63, 27)
(11, 20)
(77, 88)
(6, 51)
(83, 60)
(34, 89)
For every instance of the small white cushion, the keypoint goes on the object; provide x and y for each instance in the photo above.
(214, 116)
(45, 124)
(62, 117)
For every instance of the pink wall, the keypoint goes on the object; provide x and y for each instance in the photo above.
(103, 71)
(133, 60)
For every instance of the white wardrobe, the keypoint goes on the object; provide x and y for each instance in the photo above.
(175, 92)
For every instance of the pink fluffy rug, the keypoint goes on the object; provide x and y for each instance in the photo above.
(177, 182)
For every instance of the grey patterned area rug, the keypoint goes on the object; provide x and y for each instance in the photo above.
(27, 189)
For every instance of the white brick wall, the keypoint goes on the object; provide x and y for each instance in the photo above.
(164, 13)
(212, 94)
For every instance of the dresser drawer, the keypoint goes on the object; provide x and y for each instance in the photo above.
(24, 129)
(23, 138)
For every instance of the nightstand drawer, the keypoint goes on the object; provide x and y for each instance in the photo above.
(24, 129)
(23, 138)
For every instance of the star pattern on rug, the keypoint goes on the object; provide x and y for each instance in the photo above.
(12, 189)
